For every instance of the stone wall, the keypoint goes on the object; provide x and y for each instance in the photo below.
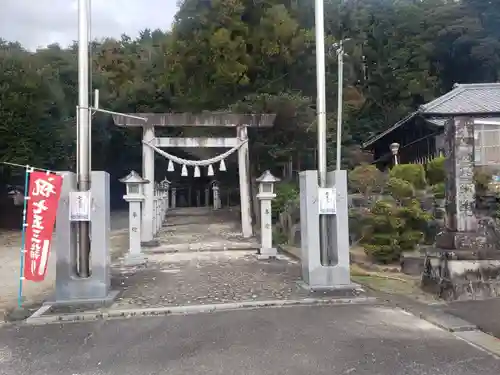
(465, 263)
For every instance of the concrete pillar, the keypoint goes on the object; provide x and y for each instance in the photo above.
(174, 197)
(243, 170)
(161, 202)
(216, 192)
(155, 211)
(159, 220)
(69, 288)
(198, 198)
(148, 172)
(207, 197)
(164, 204)
(315, 275)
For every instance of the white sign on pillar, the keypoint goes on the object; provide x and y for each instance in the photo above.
(80, 205)
(327, 201)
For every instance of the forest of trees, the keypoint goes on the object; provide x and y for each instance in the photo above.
(249, 56)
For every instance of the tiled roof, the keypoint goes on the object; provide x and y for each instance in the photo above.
(466, 98)
(475, 98)
(441, 121)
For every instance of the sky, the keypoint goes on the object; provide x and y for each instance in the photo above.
(37, 23)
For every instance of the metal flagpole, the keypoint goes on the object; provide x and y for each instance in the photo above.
(23, 236)
(340, 55)
(83, 157)
(321, 113)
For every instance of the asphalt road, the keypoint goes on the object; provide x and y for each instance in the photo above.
(485, 314)
(350, 339)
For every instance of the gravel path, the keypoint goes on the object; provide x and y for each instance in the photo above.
(34, 293)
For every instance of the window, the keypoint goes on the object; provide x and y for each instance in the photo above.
(487, 144)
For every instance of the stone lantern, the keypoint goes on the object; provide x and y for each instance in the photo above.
(135, 196)
(165, 186)
(216, 195)
(266, 195)
(394, 149)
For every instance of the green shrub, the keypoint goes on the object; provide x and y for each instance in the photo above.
(366, 179)
(400, 189)
(286, 194)
(412, 173)
(482, 179)
(390, 229)
(436, 171)
(439, 190)
(279, 237)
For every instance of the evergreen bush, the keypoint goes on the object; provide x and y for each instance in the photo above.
(366, 179)
(438, 190)
(436, 171)
(412, 173)
(391, 227)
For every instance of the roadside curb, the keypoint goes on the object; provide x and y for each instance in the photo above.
(435, 315)
(194, 309)
(432, 313)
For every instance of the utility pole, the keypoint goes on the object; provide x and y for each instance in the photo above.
(340, 59)
(321, 114)
(83, 132)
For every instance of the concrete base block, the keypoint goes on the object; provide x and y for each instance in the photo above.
(267, 253)
(328, 277)
(266, 256)
(70, 288)
(314, 273)
(104, 301)
(340, 290)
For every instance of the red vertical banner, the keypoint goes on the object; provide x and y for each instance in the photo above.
(43, 198)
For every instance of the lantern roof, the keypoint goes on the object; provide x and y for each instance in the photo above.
(267, 176)
(133, 178)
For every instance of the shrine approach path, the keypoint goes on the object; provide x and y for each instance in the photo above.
(202, 229)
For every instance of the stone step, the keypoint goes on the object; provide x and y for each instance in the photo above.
(214, 246)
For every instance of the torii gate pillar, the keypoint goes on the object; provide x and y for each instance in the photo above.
(148, 170)
(244, 169)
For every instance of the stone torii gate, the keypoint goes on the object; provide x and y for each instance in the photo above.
(229, 120)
